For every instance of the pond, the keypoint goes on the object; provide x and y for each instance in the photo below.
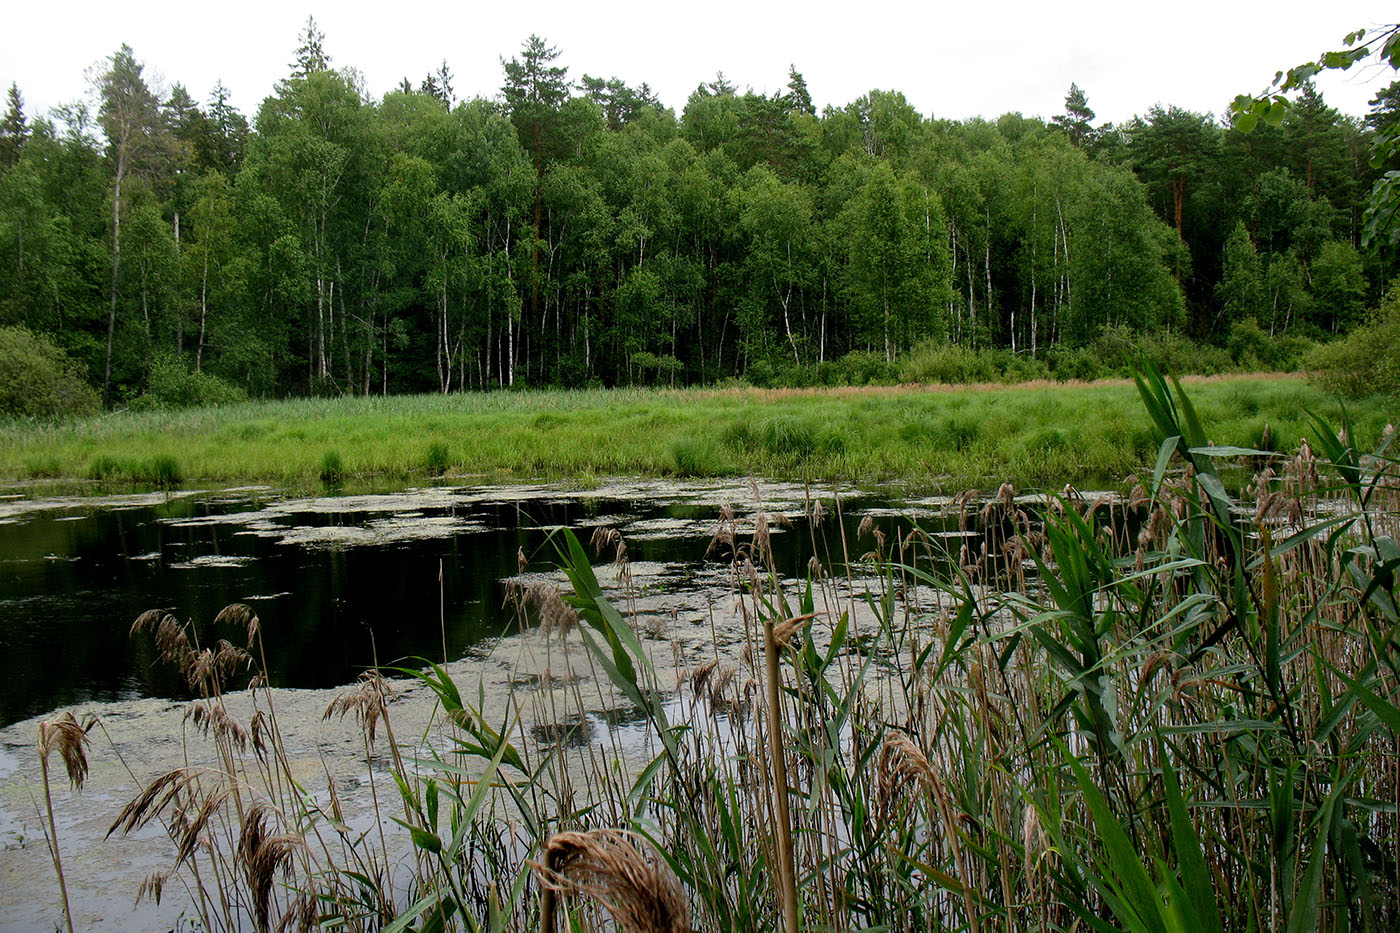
(339, 581)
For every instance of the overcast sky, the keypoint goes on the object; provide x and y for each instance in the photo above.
(953, 60)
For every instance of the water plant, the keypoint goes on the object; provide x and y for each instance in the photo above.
(438, 459)
(1173, 708)
(332, 469)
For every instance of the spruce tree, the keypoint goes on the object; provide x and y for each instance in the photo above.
(14, 130)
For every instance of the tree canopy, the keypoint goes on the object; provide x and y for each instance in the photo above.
(573, 234)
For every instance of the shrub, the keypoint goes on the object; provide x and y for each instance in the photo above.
(761, 373)
(858, 368)
(1253, 348)
(1117, 350)
(933, 361)
(38, 380)
(1367, 361)
(1026, 369)
(1082, 363)
(173, 384)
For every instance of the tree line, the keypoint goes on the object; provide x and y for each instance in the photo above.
(573, 233)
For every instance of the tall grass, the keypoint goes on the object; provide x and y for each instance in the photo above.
(1175, 709)
(1037, 434)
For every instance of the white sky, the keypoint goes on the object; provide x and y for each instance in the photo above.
(951, 59)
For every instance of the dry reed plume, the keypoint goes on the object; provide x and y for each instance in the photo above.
(638, 890)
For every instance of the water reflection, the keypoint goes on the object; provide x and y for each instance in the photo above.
(338, 581)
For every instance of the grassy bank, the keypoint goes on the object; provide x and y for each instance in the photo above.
(1036, 433)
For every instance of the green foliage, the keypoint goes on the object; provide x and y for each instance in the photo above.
(699, 457)
(857, 368)
(1120, 351)
(104, 468)
(1083, 364)
(585, 235)
(1339, 286)
(438, 459)
(332, 469)
(1167, 711)
(1254, 350)
(173, 383)
(915, 434)
(656, 369)
(38, 380)
(1366, 362)
(788, 436)
(1382, 223)
(940, 361)
(162, 471)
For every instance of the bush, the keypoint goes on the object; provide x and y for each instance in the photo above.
(1026, 369)
(761, 373)
(1367, 361)
(38, 380)
(934, 361)
(173, 384)
(1253, 348)
(1082, 363)
(1118, 350)
(858, 368)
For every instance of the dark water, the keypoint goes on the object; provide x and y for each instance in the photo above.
(334, 580)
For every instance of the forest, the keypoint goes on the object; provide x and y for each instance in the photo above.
(577, 232)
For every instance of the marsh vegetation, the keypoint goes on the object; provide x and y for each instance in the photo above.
(1186, 720)
(944, 438)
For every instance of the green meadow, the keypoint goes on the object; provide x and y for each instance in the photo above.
(1033, 434)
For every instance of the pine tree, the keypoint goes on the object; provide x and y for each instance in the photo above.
(130, 117)
(534, 91)
(1078, 118)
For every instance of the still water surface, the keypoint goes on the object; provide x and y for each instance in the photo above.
(336, 580)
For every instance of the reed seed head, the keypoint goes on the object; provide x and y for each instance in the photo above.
(152, 886)
(368, 700)
(622, 872)
(263, 854)
(241, 616)
(70, 738)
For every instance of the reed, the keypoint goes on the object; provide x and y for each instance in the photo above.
(1176, 707)
(65, 734)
